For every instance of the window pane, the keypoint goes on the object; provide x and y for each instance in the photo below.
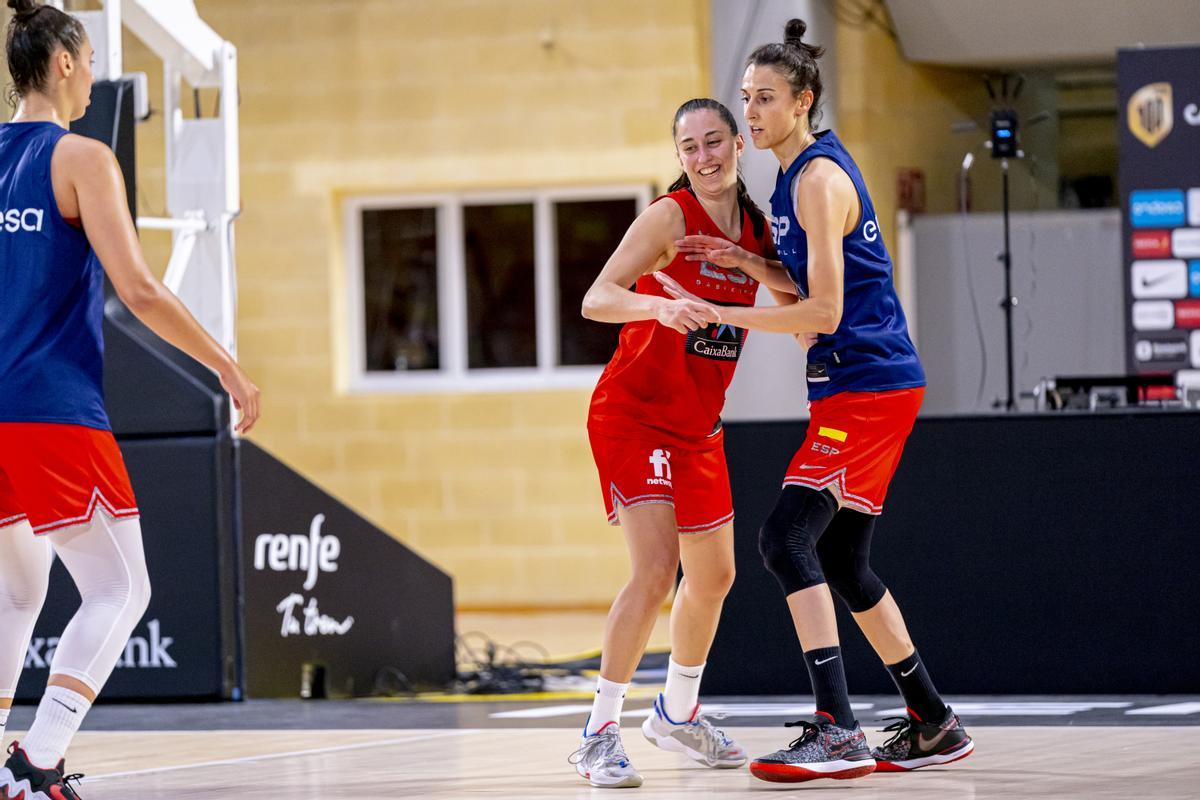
(501, 315)
(587, 233)
(400, 288)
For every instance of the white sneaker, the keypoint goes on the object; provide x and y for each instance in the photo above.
(696, 738)
(601, 760)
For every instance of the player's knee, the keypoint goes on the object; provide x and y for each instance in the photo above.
(22, 597)
(856, 583)
(654, 580)
(787, 543)
(713, 584)
(140, 598)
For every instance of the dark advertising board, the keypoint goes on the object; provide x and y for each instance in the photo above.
(332, 603)
(1160, 192)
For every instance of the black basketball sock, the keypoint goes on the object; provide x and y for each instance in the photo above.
(828, 678)
(919, 695)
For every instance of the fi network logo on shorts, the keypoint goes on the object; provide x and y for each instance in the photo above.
(14, 220)
(660, 460)
(1157, 208)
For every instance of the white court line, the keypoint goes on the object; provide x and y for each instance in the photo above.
(728, 709)
(1173, 708)
(1017, 708)
(421, 735)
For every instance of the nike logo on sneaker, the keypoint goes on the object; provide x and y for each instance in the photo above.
(839, 750)
(64, 705)
(929, 744)
(821, 661)
(910, 672)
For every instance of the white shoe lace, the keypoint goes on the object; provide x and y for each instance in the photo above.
(604, 747)
(713, 739)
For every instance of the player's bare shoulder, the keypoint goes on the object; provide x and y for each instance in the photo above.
(661, 224)
(823, 187)
(77, 153)
(823, 176)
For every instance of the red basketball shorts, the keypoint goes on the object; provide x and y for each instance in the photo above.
(638, 470)
(854, 444)
(57, 476)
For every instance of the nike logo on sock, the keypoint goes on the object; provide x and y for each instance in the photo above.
(821, 661)
(910, 672)
(684, 674)
(64, 705)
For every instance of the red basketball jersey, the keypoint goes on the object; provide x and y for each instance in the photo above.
(662, 380)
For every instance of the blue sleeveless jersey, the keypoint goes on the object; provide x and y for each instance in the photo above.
(871, 350)
(51, 293)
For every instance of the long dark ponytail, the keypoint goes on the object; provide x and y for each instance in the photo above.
(745, 202)
(34, 33)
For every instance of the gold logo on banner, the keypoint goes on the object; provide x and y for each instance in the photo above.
(1150, 115)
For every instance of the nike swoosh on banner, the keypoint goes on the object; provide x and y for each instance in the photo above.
(1148, 282)
(819, 662)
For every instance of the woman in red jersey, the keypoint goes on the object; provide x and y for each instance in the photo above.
(655, 430)
(64, 490)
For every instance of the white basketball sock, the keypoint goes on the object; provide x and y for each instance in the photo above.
(682, 692)
(58, 718)
(3, 724)
(606, 707)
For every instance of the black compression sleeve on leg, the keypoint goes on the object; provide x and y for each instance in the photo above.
(787, 540)
(845, 554)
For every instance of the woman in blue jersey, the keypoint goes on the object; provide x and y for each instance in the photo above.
(865, 385)
(63, 486)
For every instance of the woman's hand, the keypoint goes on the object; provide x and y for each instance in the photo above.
(244, 393)
(806, 340)
(685, 312)
(714, 250)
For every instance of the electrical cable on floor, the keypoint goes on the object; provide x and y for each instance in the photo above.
(492, 668)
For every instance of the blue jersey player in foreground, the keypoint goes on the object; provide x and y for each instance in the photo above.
(865, 385)
(64, 490)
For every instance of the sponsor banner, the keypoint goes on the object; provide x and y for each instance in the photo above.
(1153, 315)
(1195, 339)
(1187, 314)
(1157, 209)
(326, 589)
(1185, 242)
(1166, 279)
(1152, 244)
(1162, 352)
(1159, 178)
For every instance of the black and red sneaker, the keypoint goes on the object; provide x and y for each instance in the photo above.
(823, 750)
(21, 780)
(916, 744)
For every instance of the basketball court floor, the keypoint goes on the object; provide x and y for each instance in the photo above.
(1026, 747)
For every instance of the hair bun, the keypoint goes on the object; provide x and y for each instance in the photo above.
(793, 32)
(23, 8)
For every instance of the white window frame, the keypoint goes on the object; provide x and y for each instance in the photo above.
(453, 374)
